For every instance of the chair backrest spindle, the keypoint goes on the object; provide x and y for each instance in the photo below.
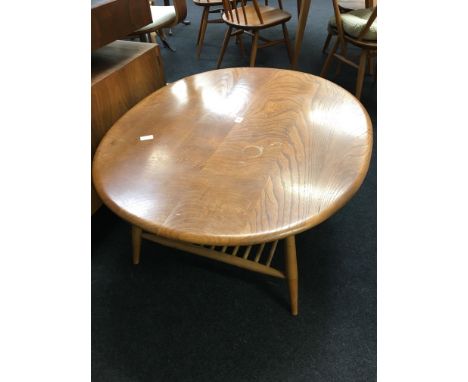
(257, 11)
(339, 22)
(371, 20)
(231, 8)
(227, 9)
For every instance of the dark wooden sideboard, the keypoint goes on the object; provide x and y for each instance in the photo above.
(122, 72)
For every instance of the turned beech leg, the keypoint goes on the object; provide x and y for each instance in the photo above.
(301, 21)
(287, 42)
(328, 61)
(253, 54)
(136, 243)
(227, 37)
(200, 27)
(344, 53)
(201, 34)
(291, 272)
(241, 44)
(361, 73)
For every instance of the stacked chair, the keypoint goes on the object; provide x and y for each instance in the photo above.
(358, 28)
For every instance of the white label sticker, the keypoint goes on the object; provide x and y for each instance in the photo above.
(146, 137)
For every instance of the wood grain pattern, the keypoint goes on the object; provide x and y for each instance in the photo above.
(122, 74)
(238, 156)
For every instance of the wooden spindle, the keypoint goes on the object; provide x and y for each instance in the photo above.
(227, 9)
(247, 251)
(259, 252)
(236, 249)
(243, 2)
(224, 248)
(272, 252)
(236, 12)
(257, 11)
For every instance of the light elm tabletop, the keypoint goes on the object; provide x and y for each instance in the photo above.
(235, 157)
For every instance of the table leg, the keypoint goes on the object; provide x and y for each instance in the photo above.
(291, 272)
(136, 243)
(301, 24)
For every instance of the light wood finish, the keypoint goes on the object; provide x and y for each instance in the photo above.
(122, 74)
(114, 19)
(236, 158)
(368, 47)
(303, 7)
(291, 272)
(240, 156)
(251, 19)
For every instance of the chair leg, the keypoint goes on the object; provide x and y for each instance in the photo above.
(327, 42)
(286, 40)
(291, 272)
(361, 72)
(253, 53)
(201, 33)
(241, 44)
(136, 243)
(162, 36)
(329, 59)
(344, 50)
(200, 27)
(227, 37)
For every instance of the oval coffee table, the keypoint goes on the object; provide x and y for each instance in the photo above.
(226, 163)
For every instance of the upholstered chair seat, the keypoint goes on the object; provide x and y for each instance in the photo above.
(355, 21)
(162, 16)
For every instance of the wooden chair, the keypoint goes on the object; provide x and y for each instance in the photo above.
(357, 28)
(163, 17)
(345, 6)
(250, 19)
(209, 7)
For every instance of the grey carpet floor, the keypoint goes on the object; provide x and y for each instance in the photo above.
(177, 317)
